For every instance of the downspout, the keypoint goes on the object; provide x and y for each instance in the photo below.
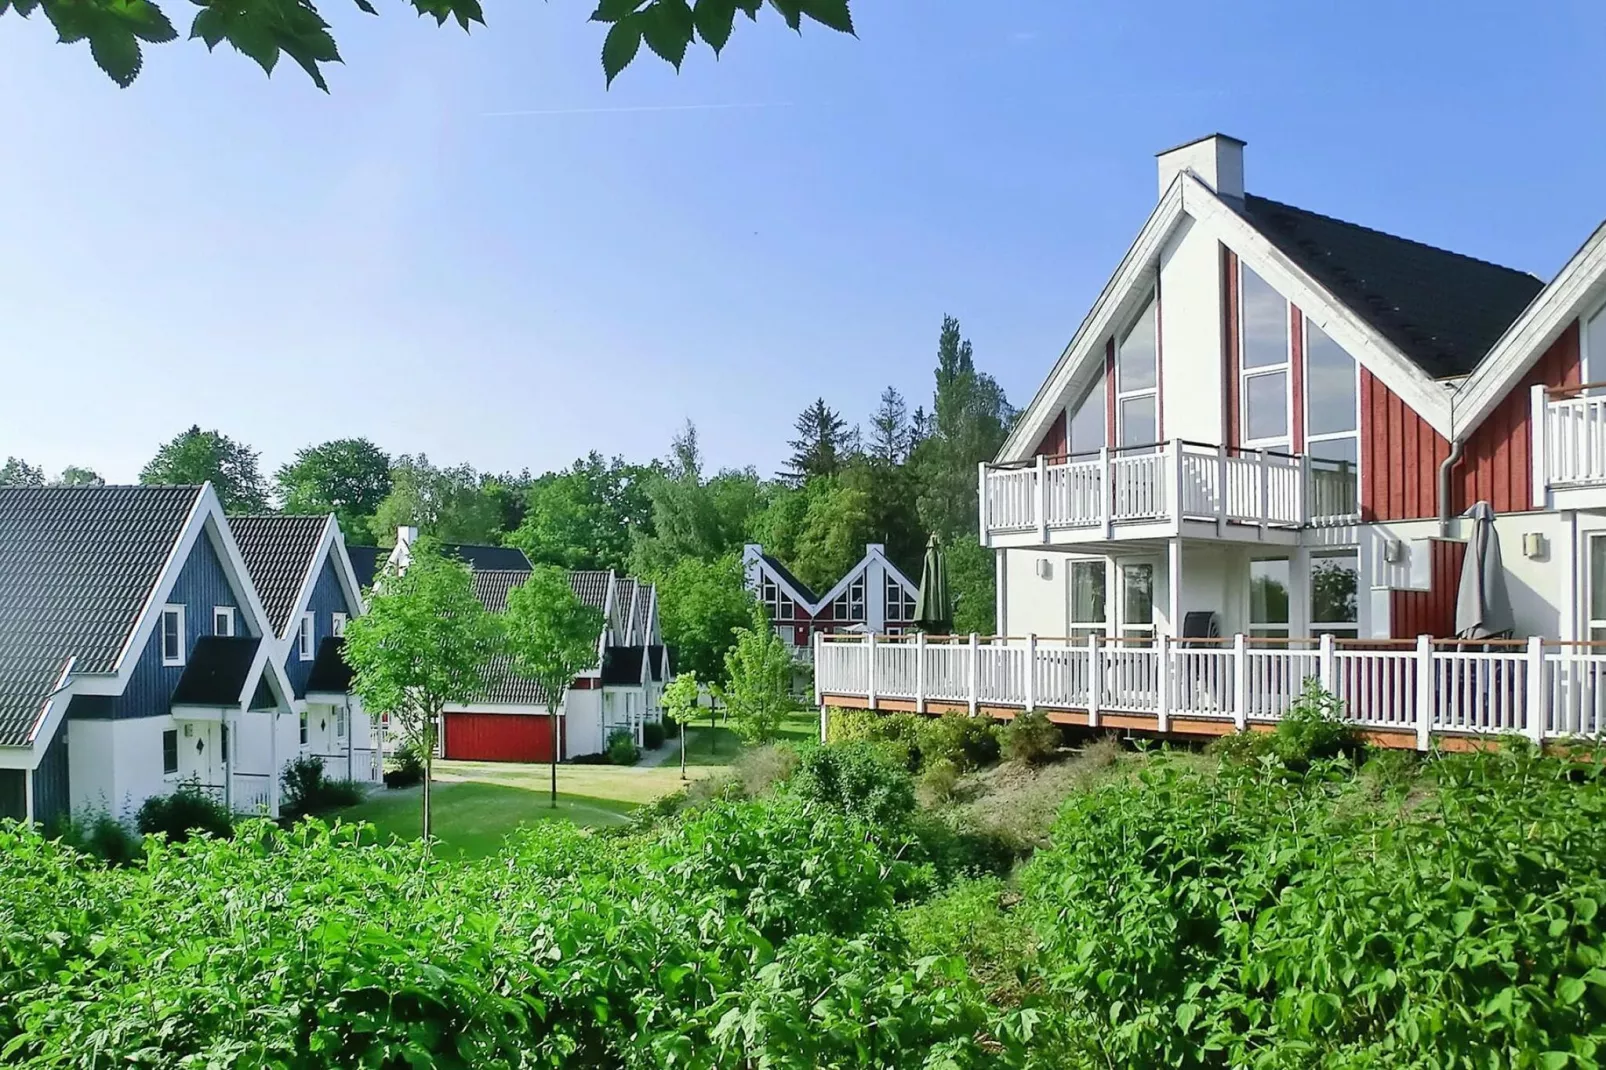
(1444, 487)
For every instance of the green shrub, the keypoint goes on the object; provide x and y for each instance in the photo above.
(940, 780)
(188, 810)
(851, 726)
(762, 769)
(104, 837)
(1313, 729)
(968, 742)
(407, 769)
(308, 790)
(1248, 747)
(858, 778)
(974, 919)
(652, 735)
(1031, 738)
(622, 747)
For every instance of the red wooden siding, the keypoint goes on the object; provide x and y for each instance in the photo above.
(1430, 612)
(499, 737)
(1496, 463)
(1400, 456)
(1053, 444)
(1229, 342)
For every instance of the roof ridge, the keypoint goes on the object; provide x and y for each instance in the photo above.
(1395, 237)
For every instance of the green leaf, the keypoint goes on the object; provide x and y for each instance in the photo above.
(117, 53)
(1461, 922)
(620, 47)
(614, 10)
(208, 26)
(667, 28)
(1571, 989)
(366, 7)
(791, 11)
(831, 13)
(1554, 1060)
(714, 20)
(1586, 909)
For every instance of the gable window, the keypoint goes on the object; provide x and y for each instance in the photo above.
(1137, 382)
(170, 752)
(1334, 582)
(1332, 424)
(769, 592)
(1084, 431)
(900, 604)
(338, 625)
(1087, 599)
(1593, 363)
(1268, 599)
(223, 621)
(306, 636)
(303, 728)
(1263, 362)
(172, 626)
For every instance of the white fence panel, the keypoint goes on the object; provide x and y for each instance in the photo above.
(1011, 499)
(1201, 682)
(1377, 687)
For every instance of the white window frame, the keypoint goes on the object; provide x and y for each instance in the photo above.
(1125, 628)
(1591, 622)
(1283, 629)
(306, 638)
(1151, 307)
(1330, 436)
(1080, 629)
(1348, 629)
(337, 625)
(175, 657)
(340, 722)
(1100, 384)
(223, 613)
(1285, 442)
(1591, 365)
(167, 773)
(305, 729)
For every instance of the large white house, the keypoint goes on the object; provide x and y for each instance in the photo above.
(1249, 466)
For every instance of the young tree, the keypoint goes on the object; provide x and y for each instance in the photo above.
(584, 517)
(970, 420)
(836, 528)
(17, 472)
(423, 645)
(551, 636)
(348, 477)
(197, 456)
(117, 30)
(701, 604)
(823, 442)
(889, 428)
(74, 476)
(680, 705)
(758, 688)
(449, 503)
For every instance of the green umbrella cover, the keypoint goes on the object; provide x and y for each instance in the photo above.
(934, 611)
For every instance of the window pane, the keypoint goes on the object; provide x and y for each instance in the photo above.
(1085, 433)
(1597, 578)
(1333, 585)
(1134, 356)
(1595, 347)
(1265, 322)
(1137, 595)
(1268, 592)
(1335, 449)
(1329, 384)
(1266, 406)
(1137, 422)
(1087, 592)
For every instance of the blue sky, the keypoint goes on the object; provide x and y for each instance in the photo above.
(411, 260)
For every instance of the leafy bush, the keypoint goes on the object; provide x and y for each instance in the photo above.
(940, 780)
(622, 747)
(899, 733)
(761, 769)
(652, 735)
(104, 837)
(307, 790)
(601, 757)
(968, 742)
(858, 778)
(975, 919)
(1311, 730)
(407, 769)
(1031, 738)
(188, 810)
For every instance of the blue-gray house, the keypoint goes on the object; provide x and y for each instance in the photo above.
(132, 653)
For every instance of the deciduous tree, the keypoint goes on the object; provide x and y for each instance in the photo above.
(701, 605)
(424, 644)
(197, 456)
(449, 503)
(349, 477)
(758, 681)
(550, 636)
(17, 472)
(680, 706)
(584, 516)
(75, 476)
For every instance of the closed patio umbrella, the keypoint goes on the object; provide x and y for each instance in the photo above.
(1482, 604)
(934, 611)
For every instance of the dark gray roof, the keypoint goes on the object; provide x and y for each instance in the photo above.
(657, 654)
(503, 685)
(330, 673)
(216, 672)
(591, 587)
(1443, 310)
(77, 566)
(488, 558)
(278, 552)
(365, 563)
(624, 595)
(797, 585)
(646, 605)
(492, 588)
(621, 665)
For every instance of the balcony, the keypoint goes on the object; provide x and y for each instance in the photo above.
(1166, 489)
(1401, 693)
(1569, 446)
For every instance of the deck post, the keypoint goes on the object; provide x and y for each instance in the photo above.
(1240, 682)
(1176, 483)
(1424, 691)
(920, 672)
(1106, 489)
(1303, 505)
(1325, 662)
(869, 643)
(1093, 677)
(1162, 677)
(1221, 490)
(273, 761)
(981, 500)
(1535, 725)
(1042, 498)
(975, 671)
(1539, 447)
(819, 650)
(1264, 508)
(1031, 672)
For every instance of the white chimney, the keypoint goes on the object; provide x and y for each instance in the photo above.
(1217, 160)
(406, 536)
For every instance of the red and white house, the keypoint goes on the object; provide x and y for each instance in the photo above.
(873, 596)
(1268, 425)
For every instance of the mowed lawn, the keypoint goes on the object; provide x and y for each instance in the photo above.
(477, 805)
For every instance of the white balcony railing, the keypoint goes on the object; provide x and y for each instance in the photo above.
(1422, 688)
(1569, 438)
(1168, 482)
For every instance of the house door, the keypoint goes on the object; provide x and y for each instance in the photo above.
(1134, 680)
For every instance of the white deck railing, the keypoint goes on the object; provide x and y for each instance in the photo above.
(1168, 482)
(1427, 688)
(1569, 437)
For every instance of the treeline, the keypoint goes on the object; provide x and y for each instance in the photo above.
(906, 475)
